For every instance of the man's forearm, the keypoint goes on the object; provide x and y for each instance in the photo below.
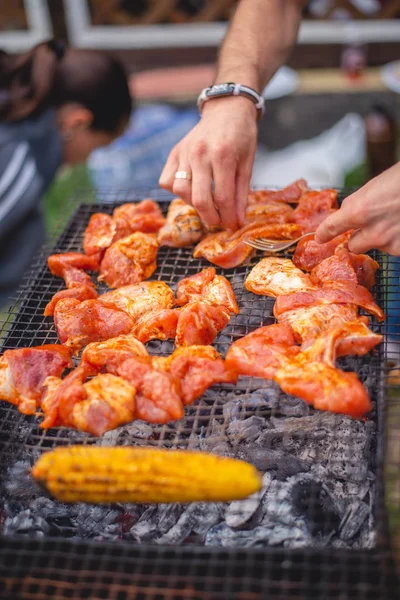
(259, 40)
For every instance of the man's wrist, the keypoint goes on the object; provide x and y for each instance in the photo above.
(231, 103)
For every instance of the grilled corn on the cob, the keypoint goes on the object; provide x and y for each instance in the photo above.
(125, 474)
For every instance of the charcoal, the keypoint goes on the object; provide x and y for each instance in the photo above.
(261, 536)
(146, 527)
(122, 436)
(312, 500)
(49, 509)
(350, 450)
(240, 512)
(353, 520)
(231, 410)
(283, 464)
(93, 520)
(290, 406)
(246, 431)
(197, 517)
(28, 524)
(20, 483)
(110, 533)
(210, 513)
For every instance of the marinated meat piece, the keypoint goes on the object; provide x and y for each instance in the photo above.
(159, 325)
(144, 216)
(314, 207)
(199, 323)
(262, 352)
(197, 368)
(208, 286)
(276, 276)
(270, 211)
(365, 268)
(309, 253)
(183, 226)
(99, 235)
(71, 266)
(79, 323)
(337, 267)
(95, 406)
(310, 322)
(228, 250)
(140, 299)
(158, 398)
(129, 260)
(341, 292)
(110, 354)
(24, 370)
(292, 193)
(312, 376)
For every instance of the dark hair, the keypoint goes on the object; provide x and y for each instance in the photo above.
(51, 75)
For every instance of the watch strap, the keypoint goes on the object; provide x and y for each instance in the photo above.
(221, 90)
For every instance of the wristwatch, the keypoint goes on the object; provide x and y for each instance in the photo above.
(220, 90)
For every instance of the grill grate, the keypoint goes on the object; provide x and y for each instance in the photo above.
(70, 568)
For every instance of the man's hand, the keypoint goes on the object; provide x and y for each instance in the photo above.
(219, 149)
(373, 211)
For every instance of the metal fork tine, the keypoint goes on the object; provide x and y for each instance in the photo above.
(268, 245)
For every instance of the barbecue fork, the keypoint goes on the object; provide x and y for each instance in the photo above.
(274, 245)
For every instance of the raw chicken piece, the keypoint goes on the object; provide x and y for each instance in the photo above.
(158, 324)
(110, 354)
(356, 338)
(24, 370)
(207, 285)
(79, 323)
(309, 253)
(344, 265)
(314, 207)
(292, 193)
(228, 250)
(200, 322)
(144, 216)
(183, 226)
(95, 406)
(158, 394)
(99, 235)
(71, 266)
(140, 299)
(310, 322)
(270, 211)
(262, 352)
(197, 368)
(341, 292)
(276, 276)
(129, 260)
(312, 376)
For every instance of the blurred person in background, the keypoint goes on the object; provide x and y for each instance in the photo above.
(211, 166)
(56, 106)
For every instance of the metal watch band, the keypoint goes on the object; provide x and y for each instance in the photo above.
(221, 90)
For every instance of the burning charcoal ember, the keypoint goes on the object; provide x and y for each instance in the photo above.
(312, 500)
(91, 520)
(198, 517)
(353, 520)
(246, 430)
(241, 512)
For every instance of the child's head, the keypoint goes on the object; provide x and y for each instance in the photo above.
(89, 90)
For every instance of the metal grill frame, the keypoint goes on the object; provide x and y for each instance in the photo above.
(60, 568)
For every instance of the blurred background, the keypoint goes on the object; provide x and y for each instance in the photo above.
(331, 113)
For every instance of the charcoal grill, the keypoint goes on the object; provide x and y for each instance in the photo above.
(51, 551)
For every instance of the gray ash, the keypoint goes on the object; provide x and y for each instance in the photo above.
(318, 481)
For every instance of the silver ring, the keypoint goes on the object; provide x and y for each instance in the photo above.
(183, 175)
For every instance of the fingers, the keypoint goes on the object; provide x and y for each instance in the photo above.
(361, 241)
(350, 216)
(224, 171)
(183, 187)
(242, 192)
(202, 198)
(167, 176)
